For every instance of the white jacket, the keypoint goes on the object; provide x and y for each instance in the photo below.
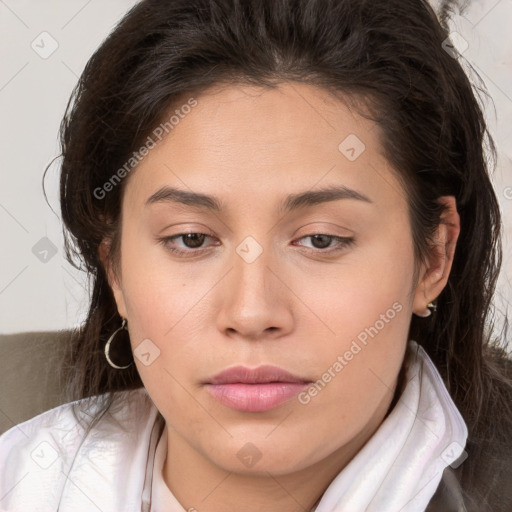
(50, 463)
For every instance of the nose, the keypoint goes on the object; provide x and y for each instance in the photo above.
(255, 302)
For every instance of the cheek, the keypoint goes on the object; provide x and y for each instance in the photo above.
(167, 303)
(367, 307)
(366, 288)
(156, 290)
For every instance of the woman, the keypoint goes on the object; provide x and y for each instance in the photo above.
(293, 239)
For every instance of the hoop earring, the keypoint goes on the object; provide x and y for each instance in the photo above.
(107, 347)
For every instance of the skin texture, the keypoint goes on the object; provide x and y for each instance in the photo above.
(294, 306)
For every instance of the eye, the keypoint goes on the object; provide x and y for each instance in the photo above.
(322, 241)
(192, 241)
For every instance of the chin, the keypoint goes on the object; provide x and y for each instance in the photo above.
(257, 456)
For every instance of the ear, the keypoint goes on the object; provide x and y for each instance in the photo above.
(114, 280)
(433, 279)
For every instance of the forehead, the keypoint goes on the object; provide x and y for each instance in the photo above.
(248, 116)
(240, 140)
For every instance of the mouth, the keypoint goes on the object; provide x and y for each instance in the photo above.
(255, 390)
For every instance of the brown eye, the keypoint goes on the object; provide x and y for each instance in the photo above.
(192, 243)
(193, 240)
(322, 242)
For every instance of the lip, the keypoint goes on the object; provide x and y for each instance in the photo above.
(260, 375)
(255, 390)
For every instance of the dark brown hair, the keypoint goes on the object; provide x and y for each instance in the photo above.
(386, 54)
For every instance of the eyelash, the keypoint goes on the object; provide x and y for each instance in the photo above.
(343, 243)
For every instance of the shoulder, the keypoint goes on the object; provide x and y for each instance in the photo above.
(481, 483)
(485, 475)
(72, 416)
(79, 438)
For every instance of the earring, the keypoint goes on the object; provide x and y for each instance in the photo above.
(428, 311)
(107, 347)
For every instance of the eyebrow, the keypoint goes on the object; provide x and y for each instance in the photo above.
(291, 202)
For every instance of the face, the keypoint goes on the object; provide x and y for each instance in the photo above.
(321, 287)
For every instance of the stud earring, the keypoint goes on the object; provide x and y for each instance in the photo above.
(428, 311)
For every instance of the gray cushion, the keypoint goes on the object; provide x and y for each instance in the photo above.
(30, 374)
